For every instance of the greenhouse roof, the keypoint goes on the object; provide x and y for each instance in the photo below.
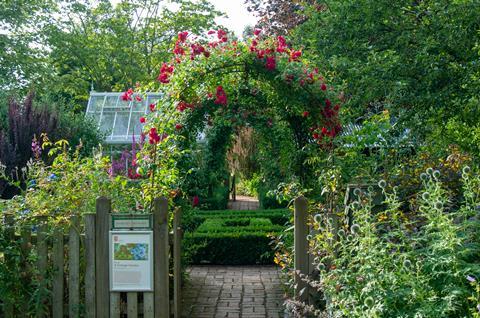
(119, 119)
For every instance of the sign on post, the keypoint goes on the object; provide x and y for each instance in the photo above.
(131, 254)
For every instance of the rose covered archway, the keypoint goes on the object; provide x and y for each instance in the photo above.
(217, 84)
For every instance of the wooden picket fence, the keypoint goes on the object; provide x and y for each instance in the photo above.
(86, 268)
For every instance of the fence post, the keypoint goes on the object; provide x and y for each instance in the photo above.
(177, 262)
(102, 283)
(74, 267)
(26, 246)
(9, 220)
(301, 247)
(90, 306)
(42, 250)
(58, 268)
(161, 261)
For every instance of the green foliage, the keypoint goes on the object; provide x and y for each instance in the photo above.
(79, 44)
(233, 237)
(389, 264)
(416, 59)
(194, 218)
(229, 248)
(67, 187)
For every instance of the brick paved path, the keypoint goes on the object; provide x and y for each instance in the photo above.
(233, 291)
(243, 203)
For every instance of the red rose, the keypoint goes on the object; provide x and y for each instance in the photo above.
(182, 36)
(257, 32)
(221, 34)
(152, 107)
(271, 63)
(295, 55)
(323, 87)
(163, 78)
(305, 114)
(195, 201)
(143, 120)
(178, 126)
(221, 96)
(328, 103)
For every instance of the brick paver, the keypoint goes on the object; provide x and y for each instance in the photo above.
(233, 291)
(243, 203)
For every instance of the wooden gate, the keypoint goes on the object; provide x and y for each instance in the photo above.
(73, 268)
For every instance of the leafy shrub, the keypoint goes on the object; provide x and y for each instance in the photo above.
(389, 264)
(33, 118)
(194, 218)
(217, 201)
(233, 237)
(229, 248)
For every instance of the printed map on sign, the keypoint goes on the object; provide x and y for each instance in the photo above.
(131, 251)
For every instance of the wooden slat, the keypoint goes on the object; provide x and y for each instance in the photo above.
(42, 251)
(161, 260)
(132, 305)
(177, 265)
(25, 246)
(90, 310)
(58, 269)
(74, 267)
(114, 305)
(301, 247)
(148, 311)
(9, 220)
(103, 208)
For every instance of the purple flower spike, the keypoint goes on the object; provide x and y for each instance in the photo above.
(471, 279)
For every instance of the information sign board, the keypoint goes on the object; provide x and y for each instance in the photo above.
(131, 261)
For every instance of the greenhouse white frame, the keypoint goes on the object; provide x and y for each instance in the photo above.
(118, 119)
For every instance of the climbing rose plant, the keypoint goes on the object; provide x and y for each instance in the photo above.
(216, 75)
(257, 82)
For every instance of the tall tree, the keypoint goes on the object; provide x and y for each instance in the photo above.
(416, 59)
(112, 47)
(279, 16)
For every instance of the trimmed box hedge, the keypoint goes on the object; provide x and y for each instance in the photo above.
(233, 237)
(192, 221)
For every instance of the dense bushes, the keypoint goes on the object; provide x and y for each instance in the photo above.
(23, 121)
(394, 264)
(232, 237)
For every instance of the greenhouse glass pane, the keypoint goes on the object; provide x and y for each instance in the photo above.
(111, 101)
(121, 126)
(106, 123)
(135, 126)
(95, 104)
(120, 119)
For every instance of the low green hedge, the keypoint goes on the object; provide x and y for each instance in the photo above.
(194, 218)
(232, 237)
(229, 248)
(235, 224)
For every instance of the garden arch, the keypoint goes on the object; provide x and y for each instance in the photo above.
(217, 84)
